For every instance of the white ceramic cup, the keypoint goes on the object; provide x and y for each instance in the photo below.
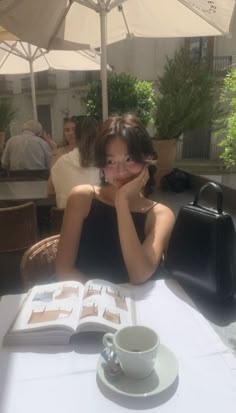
(136, 349)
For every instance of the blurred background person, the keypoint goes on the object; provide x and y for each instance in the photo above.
(28, 150)
(75, 167)
(69, 139)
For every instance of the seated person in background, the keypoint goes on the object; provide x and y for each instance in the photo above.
(27, 150)
(75, 168)
(69, 143)
(114, 231)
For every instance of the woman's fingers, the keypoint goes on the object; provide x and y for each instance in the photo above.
(136, 184)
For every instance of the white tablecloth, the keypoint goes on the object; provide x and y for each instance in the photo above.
(56, 379)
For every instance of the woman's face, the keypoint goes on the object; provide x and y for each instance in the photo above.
(120, 167)
(69, 133)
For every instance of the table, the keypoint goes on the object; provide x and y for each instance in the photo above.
(59, 379)
(13, 192)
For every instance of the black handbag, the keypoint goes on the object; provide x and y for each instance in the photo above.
(201, 250)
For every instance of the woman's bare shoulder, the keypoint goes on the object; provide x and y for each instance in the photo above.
(161, 211)
(159, 217)
(81, 197)
(84, 189)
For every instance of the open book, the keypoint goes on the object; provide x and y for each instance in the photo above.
(52, 313)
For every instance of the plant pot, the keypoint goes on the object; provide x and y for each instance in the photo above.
(166, 150)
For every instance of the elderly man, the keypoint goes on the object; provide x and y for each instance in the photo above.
(28, 150)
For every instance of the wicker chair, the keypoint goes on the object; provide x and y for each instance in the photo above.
(38, 262)
(18, 231)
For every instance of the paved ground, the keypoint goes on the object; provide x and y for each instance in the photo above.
(221, 316)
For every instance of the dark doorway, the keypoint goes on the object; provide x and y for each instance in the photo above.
(44, 117)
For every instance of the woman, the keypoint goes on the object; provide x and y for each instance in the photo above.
(75, 168)
(114, 231)
(69, 125)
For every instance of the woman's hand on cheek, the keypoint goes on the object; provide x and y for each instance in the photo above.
(134, 186)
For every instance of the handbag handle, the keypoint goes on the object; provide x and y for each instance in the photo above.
(219, 193)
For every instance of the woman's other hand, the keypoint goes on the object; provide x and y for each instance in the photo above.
(47, 137)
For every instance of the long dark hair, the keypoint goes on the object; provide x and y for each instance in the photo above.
(129, 128)
(86, 133)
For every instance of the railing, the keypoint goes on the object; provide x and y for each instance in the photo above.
(221, 65)
(218, 65)
(201, 152)
(43, 81)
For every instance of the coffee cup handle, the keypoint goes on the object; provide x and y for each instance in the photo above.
(108, 340)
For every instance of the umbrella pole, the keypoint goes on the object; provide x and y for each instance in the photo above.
(103, 22)
(32, 80)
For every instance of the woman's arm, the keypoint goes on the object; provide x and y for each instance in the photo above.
(142, 259)
(77, 209)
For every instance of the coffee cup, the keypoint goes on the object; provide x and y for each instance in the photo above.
(135, 348)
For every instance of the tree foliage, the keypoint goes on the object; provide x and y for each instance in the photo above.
(7, 114)
(187, 97)
(228, 130)
(125, 94)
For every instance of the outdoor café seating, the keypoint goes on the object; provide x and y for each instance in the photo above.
(38, 262)
(18, 231)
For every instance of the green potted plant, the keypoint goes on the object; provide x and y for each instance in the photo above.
(186, 100)
(7, 114)
(125, 94)
(227, 129)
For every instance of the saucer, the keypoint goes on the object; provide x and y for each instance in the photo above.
(163, 376)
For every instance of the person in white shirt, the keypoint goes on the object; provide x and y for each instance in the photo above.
(27, 151)
(69, 139)
(75, 167)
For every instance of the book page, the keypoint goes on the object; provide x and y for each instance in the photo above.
(107, 304)
(50, 306)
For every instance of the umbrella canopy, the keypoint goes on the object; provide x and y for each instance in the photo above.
(15, 58)
(18, 57)
(63, 23)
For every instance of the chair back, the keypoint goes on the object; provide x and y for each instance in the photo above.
(56, 219)
(18, 227)
(18, 231)
(29, 174)
(38, 262)
(3, 172)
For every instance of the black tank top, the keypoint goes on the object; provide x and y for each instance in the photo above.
(100, 254)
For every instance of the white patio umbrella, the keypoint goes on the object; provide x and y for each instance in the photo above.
(18, 57)
(63, 23)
